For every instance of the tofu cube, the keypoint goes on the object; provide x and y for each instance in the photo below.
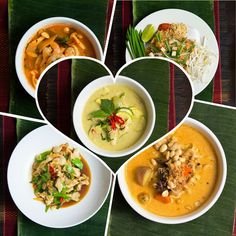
(163, 49)
(173, 54)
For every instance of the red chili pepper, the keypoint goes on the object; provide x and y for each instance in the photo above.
(61, 199)
(119, 120)
(115, 119)
(52, 172)
(112, 122)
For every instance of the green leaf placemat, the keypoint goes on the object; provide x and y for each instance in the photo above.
(218, 221)
(85, 71)
(26, 227)
(203, 9)
(25, 13)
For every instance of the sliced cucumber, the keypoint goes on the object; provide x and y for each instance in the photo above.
(127, 110)
(125, 115)
(136, 112)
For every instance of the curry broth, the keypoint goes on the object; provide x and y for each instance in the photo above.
(35, 64)
(199, 192)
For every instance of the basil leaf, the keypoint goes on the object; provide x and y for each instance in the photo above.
(62, 41)
(69, 169)
(58, 195)
(42, 156)
(98, 114)
(107, 106)
(78, 163)
(45, 177)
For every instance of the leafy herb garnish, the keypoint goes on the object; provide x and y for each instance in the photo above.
(107, 118)
(78, 163)
(62, 41)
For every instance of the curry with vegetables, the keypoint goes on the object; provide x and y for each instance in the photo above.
(60, 177)
(114, 117)
(176, 175)
(52, 43)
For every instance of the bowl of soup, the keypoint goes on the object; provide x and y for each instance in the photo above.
(48, 41)
(178, 178)
(114, 118)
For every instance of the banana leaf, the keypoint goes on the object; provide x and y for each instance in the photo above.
(203, 9)
(27, 227)
(218, 221)
(84, 71)
(23, 14)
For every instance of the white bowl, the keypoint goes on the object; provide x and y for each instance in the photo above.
(19, 59)
(203, 208)
(21, 190)
(100, 83)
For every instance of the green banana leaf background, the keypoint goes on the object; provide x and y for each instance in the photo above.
(25, 13)
(204, 9)
(218, 221)
(84, 71)
(26, 227)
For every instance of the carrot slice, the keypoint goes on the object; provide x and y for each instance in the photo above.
(187, 170)
(160, 198)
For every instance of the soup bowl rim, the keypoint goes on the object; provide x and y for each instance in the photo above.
(82, 98)
(30, 33)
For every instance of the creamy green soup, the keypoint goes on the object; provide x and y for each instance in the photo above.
(114, 117)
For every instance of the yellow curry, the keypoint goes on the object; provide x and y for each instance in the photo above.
(176, 175)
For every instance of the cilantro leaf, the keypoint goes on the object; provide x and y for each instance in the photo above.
(107, 106)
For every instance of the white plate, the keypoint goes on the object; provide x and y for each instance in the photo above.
(193, 22)
(19, 177)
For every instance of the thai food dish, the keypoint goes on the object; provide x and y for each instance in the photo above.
(60, 177)
(176, 175)
(175, 41)
(52, 43)
(114, 117)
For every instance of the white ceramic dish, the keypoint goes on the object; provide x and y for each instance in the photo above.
(42, 24)
(21, 190)
(89, 90)
(199, 29)
(203, 208)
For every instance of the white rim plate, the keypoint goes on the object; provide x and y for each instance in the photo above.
(193, 21)
(21, 190)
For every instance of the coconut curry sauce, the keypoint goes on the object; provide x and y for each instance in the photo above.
(52, 43)
(114, 117)
(176, 175)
